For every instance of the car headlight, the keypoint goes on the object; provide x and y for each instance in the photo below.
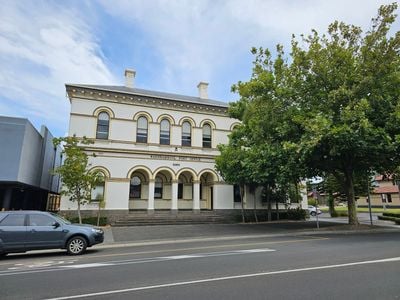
(96, 230)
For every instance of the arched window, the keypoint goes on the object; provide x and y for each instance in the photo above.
(186, 134)
(158, 188)
(135, 188)
(164, 132)
(206, 136)
(98, 189)
(141, 135)
(103, 124)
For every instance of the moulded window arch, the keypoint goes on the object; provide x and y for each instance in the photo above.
(103, 125)
(142, 130)
(207, 136)
(186, 134)
(135, 187)
(165, 132)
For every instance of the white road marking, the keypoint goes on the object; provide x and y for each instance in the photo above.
(172, 284)
(93, 265)
(132, 261)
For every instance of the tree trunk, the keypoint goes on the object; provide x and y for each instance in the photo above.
(255, 206)
(241, 188)
(269, 205)
(351, 203)
(331, 204)
(277, 209)
(79, 211)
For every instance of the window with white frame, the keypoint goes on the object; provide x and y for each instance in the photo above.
(142, 126)
(103, 125)
(206, 136)
(186, 134)
(165, 132)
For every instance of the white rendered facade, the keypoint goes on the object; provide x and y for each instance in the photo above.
(154, 169)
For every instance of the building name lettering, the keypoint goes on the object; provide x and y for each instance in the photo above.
(179, 158)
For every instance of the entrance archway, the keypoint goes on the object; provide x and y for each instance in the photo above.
(207, 179)
(139, 189)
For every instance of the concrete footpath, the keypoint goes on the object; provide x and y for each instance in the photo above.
(167, 234)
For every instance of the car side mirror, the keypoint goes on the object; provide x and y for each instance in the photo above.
(56, 224)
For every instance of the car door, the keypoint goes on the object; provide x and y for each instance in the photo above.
(13, 232)
(42, 233)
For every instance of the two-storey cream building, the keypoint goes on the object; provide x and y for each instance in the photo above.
(156, 150)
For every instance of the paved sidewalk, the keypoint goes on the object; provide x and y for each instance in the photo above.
(136, 235)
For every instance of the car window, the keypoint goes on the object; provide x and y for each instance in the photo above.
(13, 220)
(40, 220)
(61, 219)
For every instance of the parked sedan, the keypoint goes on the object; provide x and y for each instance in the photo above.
(21, 231)
(313, 210)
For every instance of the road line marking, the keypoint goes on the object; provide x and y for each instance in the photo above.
(136, 261)
(93, 265)
(180, 249)
(173, 284)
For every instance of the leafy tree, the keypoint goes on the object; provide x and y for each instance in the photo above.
(331, 108)
(233, 164)
(77, 180)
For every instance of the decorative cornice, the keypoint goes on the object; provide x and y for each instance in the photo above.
(145, 101)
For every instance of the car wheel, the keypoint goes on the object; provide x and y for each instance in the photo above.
(313, 213)
(76, 245)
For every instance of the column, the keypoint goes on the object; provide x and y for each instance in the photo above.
(150, 201)
(174, 204)
(196, 196)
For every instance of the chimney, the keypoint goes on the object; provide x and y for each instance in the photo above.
(130, 78)
(202, 86)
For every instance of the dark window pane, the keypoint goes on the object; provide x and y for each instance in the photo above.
(206, 136)
(236, 193)
(158, 188)
(13, 220)
(135, 188)
(186, 134)
(40, 220)
(141, 135)
(103, 125)
(180, 190)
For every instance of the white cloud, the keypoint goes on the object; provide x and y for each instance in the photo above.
(199, 40)
(42, 47)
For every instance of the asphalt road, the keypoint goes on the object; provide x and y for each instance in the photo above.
(340, 266)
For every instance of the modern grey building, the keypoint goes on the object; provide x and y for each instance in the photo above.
(27, 159)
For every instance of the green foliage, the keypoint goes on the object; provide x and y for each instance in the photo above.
(330, 109)
(390, 214)
(311, 201)
(90, 220)
(296, 214)
(77, 179)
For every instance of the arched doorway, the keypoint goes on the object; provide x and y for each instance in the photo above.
(207, 179)
(163, 180)
(139, 190)
(185, 190)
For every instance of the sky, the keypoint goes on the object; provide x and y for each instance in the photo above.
(172, 45)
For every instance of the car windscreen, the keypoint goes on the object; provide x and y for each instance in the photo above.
(61, 219)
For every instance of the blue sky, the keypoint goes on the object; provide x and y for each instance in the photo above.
(172, 45)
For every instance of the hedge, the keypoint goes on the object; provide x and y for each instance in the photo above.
(389, 214)
(89, 220)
